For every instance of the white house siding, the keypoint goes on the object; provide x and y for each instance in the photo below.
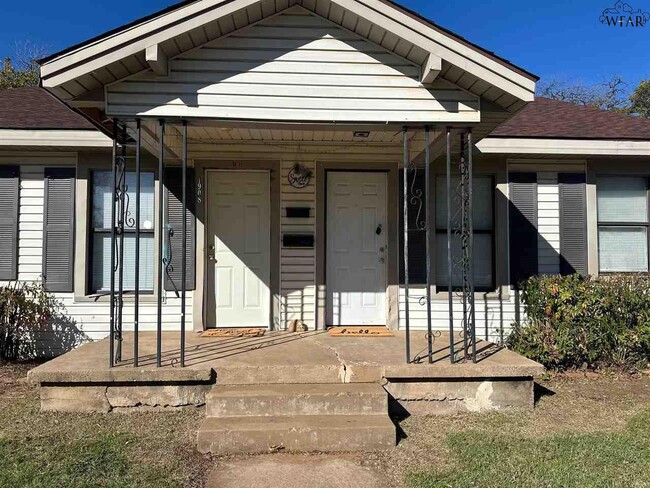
(548, 223)
(297, 266)
(295, 66)
(90, 317)
(494, 316)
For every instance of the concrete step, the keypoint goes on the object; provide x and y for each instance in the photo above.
(292, 399)
(324, 433)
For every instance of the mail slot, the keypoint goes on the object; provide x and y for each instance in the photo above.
(298, 240)
(298, 212)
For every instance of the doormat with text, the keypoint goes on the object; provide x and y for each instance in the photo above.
(234, 332)
(361, 331)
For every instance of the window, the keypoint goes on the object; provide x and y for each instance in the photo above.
(483, 221)
(622, 224)
(100, 239)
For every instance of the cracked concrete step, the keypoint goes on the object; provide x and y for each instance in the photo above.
(323, 433)
(300, 399)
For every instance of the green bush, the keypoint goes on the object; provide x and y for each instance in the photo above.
(574, 322)
(33, 324)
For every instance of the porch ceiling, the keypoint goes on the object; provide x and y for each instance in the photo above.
(209, 140)
(80, 74)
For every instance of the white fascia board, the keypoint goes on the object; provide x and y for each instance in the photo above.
(123, 44)
(442, 45)
(54, 138)
(499, 145)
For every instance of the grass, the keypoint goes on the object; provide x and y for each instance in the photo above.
(566, 460)
(585, 432)
(81, 450)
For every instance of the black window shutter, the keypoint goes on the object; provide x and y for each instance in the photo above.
(417, 239)
(522, 212)
(58, 229)
(9, 198)
(174, 226)
(573, 223)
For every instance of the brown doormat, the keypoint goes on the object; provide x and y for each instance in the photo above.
(234, 332)
(360, 331)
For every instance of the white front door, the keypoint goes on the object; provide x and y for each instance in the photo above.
(356, 248)
(239, 238)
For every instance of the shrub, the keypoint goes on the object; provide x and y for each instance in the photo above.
(32, 323)
(573, 322)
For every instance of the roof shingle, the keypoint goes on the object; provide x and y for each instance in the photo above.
(34, 108)
(546, 118)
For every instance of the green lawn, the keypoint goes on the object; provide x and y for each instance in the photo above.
(563, 460)
(82, 450)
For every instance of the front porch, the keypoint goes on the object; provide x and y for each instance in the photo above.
(73, 381)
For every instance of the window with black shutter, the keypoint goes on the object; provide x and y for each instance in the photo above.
(522, 216)
(573, 223)
(58, 229)
(9, 198)
(174, 230)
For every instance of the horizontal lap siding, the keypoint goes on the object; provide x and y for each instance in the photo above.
(293, 67)
(297, 266)
(548, 223)
(494, 316)
(91, 318)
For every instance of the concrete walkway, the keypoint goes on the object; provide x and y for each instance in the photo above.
(295, 471)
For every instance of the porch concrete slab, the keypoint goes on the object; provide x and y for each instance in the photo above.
(385, 357)
(295, 470)
(278, 357)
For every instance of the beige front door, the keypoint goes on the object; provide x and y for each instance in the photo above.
(239, 258)
(356, 248)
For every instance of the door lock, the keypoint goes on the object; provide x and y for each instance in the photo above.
(379, 229)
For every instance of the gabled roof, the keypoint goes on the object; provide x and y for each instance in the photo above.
(546, 118)
(86, 68)
(35, 108)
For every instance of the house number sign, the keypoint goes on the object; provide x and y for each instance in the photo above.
(299, 176)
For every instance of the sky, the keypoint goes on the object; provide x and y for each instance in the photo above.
(556, 40)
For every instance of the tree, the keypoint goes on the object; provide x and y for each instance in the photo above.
(609, 95)
(22, 69)
(640, 99)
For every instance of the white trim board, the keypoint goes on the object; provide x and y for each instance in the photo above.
(493, 145)
(54, 138)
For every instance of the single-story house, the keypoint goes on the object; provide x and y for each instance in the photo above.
(294, 120)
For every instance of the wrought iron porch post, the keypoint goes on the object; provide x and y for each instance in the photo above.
(467, 246)
(464, 242)
(121, 223)
(470, 170)
(136, 301)
(184, 247)
(427, 197)
(161, 236)
(406, 247)
(450, 298)
(111, 333)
